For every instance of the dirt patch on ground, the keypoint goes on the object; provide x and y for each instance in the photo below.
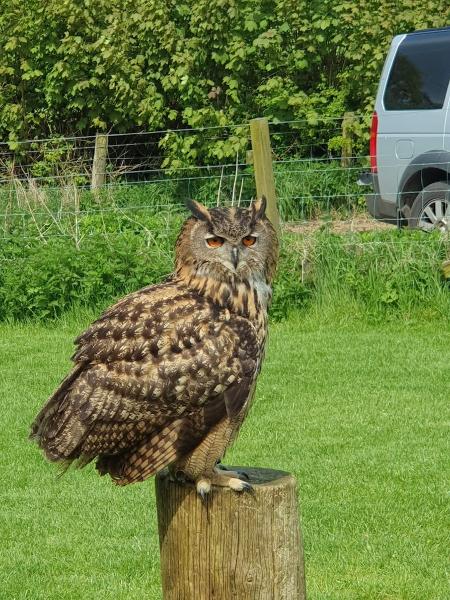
(357, 224)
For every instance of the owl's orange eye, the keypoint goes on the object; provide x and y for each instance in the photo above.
(215, 242)
(249, 240)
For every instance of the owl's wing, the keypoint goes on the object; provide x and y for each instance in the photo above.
(158, 371)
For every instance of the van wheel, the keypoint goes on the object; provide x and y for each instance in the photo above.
(431, 208)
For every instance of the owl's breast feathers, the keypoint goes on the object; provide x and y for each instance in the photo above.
(157, 371)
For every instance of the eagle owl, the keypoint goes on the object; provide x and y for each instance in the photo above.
(165, 377)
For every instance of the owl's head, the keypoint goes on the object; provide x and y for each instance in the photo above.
(228, 243)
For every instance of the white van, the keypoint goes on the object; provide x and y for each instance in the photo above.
(410, 135)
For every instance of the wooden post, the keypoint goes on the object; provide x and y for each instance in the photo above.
(262, 163)
(99, 163)
(347, 142)
(242, 546)
(446, 269)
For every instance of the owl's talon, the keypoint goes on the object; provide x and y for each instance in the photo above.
(203, 487)
(248, 488)
(232, 473)
(240, 486)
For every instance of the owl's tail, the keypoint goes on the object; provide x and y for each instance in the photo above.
(52, 419)
(151, 456)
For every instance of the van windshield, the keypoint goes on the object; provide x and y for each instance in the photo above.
(420, 73)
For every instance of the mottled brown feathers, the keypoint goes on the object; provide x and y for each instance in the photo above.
(162, 368)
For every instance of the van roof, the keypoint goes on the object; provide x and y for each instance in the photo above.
(428, 31)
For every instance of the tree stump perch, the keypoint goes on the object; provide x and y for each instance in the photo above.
(241, 546)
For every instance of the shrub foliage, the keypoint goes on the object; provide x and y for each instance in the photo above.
(68, 66)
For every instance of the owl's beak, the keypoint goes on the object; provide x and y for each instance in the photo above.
(234, 256)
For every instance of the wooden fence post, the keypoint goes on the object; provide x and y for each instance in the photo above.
(262, 163)
(99, 163)
(347, 142)
(235, 545)
(446, 269)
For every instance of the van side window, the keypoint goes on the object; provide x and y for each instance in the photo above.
(420, 73)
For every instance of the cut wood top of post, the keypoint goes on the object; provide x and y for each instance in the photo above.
(257, 476)
(264, 477)
(234, 544)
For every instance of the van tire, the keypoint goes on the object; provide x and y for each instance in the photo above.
(430, 210)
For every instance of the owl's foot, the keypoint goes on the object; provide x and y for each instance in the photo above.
(222, 478)
(231, 472)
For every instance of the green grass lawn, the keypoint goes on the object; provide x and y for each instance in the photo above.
(359, 415)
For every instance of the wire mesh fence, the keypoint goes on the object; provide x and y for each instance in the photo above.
(45, 184)
(79, 227)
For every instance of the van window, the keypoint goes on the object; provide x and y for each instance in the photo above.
(420, 73)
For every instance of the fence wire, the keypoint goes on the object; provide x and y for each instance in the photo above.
(45, 183)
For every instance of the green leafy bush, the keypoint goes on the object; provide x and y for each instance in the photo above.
(126, 64)
(291, 291)
(43, 278)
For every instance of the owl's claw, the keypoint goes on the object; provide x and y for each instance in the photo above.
(203, 487)
(232, 472)
(240, 486)
(223, 478)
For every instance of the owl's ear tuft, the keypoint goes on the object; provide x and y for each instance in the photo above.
(258, 209)
(198, 210)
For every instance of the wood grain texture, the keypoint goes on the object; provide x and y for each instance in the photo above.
(262, 164)
(99, 162)
(236, 546)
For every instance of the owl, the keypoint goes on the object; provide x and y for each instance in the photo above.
(165, 377)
